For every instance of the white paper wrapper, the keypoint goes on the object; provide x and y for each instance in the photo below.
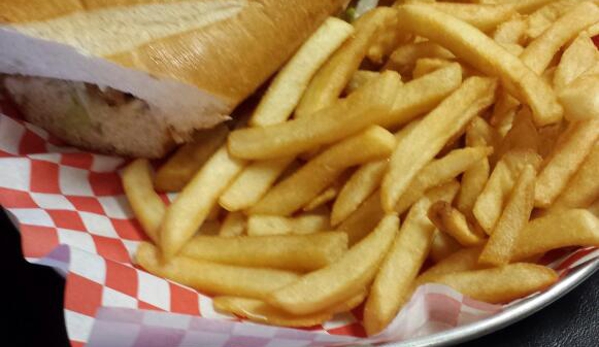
(73, 216)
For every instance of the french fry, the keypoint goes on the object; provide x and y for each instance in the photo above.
(514, 49)
(341, 280)
(363, 219)
(542, 18)
(173, 175)
(422, 95)
(440, 171)
(359, 79)
(451, 221)
(214, 278)
(147, 206)
(328, 83)
(502, 284)
(581, 98)
(404, 57)
(386, 42)
(579, 57)
(571, 149)
(455, 142)
(511, 31)
(189, 210)
(350, 303)
(307, 223)
(253, 183)
(522, 135)
(504, 111)
(478, 133)
(491, 201)
(424, 66)
(414, 151)
(575, 227)
(443, 246)
(498, 250)
(529, 6)
(260, 312)
(357, 189)
(484, 54)
(328, 194)
(549, 73)
(296, 191)
(482, 16)
(346, 117)
(363, 183)
(285, 91)
(465, 259)
(594, 208)
(287, 252)
(539, 53)
(473, 182)
(233, 225)
(548, 138)
(360, 109)
(592, 30)
(403, 262)
(594, 70)
(583, 188)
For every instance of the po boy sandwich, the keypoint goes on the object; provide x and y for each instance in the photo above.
(135, 77)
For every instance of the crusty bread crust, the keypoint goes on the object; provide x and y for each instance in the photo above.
(229, 57)
(251, 46)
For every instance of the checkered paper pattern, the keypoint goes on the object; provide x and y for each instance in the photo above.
(73, 216)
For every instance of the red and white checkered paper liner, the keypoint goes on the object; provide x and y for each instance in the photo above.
(73, 216)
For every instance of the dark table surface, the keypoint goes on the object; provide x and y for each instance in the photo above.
(33, 316)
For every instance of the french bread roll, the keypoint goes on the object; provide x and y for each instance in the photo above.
(133, 77)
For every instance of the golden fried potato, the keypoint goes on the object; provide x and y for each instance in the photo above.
(179, 169)
(304, 185)
(288, 252)
(419, 147)
(501, 284)
(146, 204)
(306, 223)
(491, 201)
(403, 262)
(346, 117)
(498, 249)
(214, 278)
(328, 83)
(341, 280)
(192, 206)
(583, 188)
(570, 151)
(287, 88)
(575, 227)
(451, 221)
(484, 54)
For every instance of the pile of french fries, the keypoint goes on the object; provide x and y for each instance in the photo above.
(475, 124)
